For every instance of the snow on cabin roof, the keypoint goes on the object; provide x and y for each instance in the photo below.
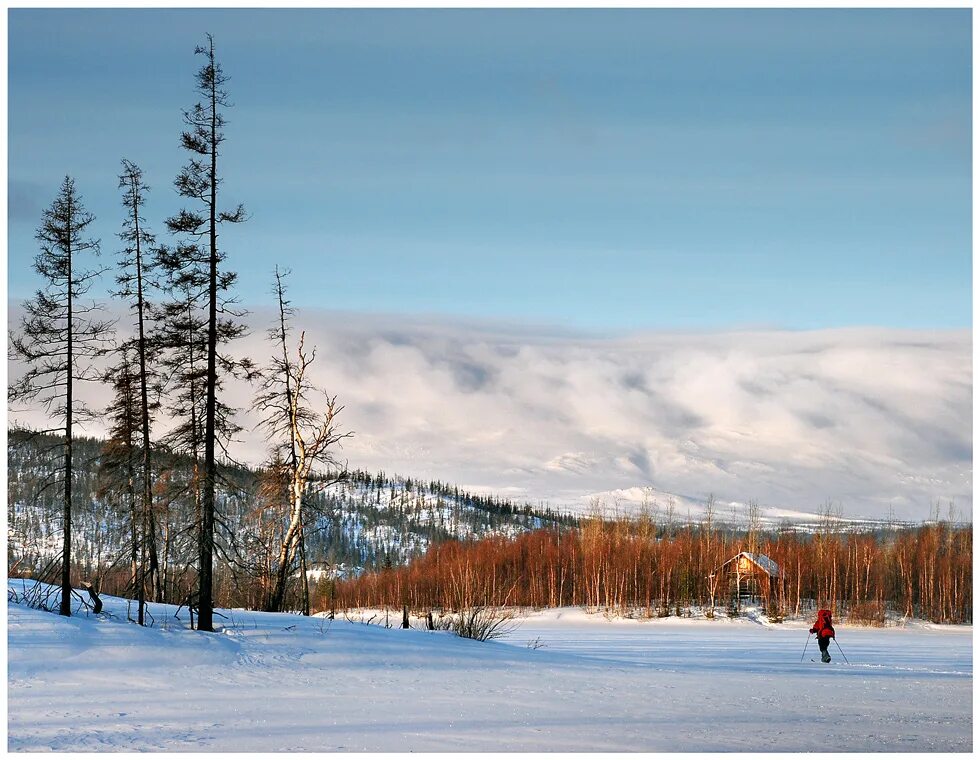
(761, 561)
(764, 562)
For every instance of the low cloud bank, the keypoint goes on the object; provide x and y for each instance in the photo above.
(874, 419)
(870, 418)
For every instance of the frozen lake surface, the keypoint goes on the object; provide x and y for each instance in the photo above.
(281, 682)
(906, 688)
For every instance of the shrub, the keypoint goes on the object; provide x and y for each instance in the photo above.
(867, 613)
(479, 623)
(733, 608)
(773, 613)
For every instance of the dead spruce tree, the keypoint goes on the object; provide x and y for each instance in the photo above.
(198, 182)
(59, 338)
(302, 432)
(135, 275)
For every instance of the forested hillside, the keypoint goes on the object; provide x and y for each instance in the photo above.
(356, 521)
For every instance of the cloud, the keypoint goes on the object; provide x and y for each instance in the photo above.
(870, 418)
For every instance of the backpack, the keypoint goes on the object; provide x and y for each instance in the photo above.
(824, 625)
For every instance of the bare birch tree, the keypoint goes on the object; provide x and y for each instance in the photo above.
(303, 433)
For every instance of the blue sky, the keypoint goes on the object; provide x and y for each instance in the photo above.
(604, 170)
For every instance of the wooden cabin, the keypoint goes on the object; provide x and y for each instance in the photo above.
(746, 576)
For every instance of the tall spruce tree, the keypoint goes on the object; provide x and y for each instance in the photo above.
(60, 335)
(135, 276)
(181, 343)
(198, 226)
(183, 338)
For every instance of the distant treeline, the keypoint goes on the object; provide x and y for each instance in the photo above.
(631, 565)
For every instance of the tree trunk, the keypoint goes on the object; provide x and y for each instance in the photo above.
(96, 602)
(205, 610)
(141, 556)
(150, 538)
(134, 538)
(65, 607)
(306, 578)
(287, 550)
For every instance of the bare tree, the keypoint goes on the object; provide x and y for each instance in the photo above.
(59, 338)
(303, 434)
(708, 521)
(754, 526)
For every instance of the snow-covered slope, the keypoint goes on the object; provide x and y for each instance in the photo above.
(369, 520)
(273, 682)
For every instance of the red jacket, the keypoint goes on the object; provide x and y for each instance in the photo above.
(823, 627)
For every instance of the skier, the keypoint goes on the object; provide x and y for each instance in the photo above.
(824, 629)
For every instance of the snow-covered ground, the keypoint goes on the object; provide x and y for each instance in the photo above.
(281, 682)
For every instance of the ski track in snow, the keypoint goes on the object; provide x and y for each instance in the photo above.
(277, 682)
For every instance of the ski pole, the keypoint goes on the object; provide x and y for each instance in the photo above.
(841, 651)
(804, 647)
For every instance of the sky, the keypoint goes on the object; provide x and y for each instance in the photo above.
(555, 254)
(604, 170)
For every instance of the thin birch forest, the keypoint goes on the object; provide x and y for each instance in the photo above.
(637, 566)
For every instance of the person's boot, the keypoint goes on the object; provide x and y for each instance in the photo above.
(825, 656)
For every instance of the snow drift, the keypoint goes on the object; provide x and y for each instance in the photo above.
(563, 681)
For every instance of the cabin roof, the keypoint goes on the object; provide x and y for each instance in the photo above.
(761, 561)
(767, 565)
